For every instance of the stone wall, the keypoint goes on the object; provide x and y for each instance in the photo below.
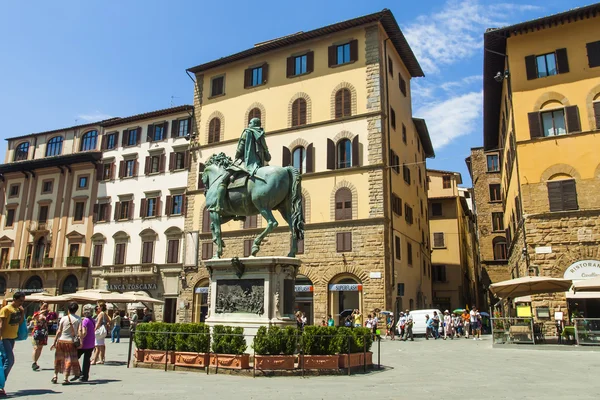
(535, 196)
(321, 263)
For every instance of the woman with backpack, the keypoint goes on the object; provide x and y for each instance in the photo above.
(66, 343)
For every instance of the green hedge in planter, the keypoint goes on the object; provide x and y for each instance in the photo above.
(78, 261)
(320, 340)
(155, 336)
(363, 338)
(15, 264)
(276, 341)
(194, 338)
(141, 336)
(228, 340)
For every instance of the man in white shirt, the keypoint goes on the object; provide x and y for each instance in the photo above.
(475, 323)
(408, 327)
(402, 324)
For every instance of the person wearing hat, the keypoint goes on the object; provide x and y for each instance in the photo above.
(448, 325)
(408, 327)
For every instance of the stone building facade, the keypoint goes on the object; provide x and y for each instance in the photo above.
(545, 118)
(341, 85)
(484, 169)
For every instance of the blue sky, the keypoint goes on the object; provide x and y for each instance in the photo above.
(67, 62)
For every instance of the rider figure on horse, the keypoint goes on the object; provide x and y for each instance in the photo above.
(253, 151)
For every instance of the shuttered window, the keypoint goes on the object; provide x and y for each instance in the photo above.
(173, 251)
(562, 195)
(408, 214)
(402, 84)
(438, 239)
(396, 204)
(436, 209)
(344, 154)
(397, 247)
(214, 130)
(205, 220)
(553, 123)
(544, 65)
(120, 253)
(217, 86)
(409, 255)
(394, 161)
(447, 182)
(147, 252)
(343, 204)
(499, 244)
(97, 257)
(343, 242)
(299, 112)
(343, 103)
(247, 247)
(207, 250)
(393, 118)
(495, 194)
(593, 53)
(251, 222)
(406, 174)
(597, 113)
(343, 53)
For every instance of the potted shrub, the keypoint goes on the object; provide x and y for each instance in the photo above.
(78, 261)
(275, 348)
(141, 341)
(320, 348)
(353, 346)
(192, 345)
(229, 345)
(15, 264)
(159, 343)
(48, 262)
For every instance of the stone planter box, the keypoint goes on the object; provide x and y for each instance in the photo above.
(274, 362)
(321, 362)
(185, 359)
(159, 357)
(230, 361)
(356, 360)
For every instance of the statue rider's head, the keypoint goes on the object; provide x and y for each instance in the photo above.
(254, 123)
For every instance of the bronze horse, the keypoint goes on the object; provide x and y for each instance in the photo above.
(272, 188)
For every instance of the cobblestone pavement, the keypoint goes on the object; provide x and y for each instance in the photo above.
(465, 369)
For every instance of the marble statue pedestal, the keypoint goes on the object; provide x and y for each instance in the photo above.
(251, 292)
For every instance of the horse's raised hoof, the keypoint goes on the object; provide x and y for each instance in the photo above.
(291, 255)
(254, 250)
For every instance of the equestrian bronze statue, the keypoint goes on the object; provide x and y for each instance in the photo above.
(249, 186)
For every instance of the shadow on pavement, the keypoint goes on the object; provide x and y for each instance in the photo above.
(115, 363)
(101, 381)
(31, 392)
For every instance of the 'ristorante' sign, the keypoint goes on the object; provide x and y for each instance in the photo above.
(584, 269)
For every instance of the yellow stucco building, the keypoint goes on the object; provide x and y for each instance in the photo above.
(336, 104)
(542, 111)
(454, 259)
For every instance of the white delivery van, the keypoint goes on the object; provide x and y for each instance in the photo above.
(419, 322)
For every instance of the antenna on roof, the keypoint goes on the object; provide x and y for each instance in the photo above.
(173, 97)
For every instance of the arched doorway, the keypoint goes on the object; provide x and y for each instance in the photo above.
(33, 285)
(304, 297)
(200, 303)
(69, 285)
(345, 295)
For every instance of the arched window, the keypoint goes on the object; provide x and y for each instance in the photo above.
(34, 284)
(148, 240)
(205, 220)
(343, 103)
(22, 152)
(88, 141)
(562, 194)
(499, 244)
(214, 130)
(299, 159)
(200, 303)
(343, 204)
(254, 113)
(344, 154)
(69, 285)
(299, 112)
(54, 146)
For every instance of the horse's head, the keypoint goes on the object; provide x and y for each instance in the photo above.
(215, 166)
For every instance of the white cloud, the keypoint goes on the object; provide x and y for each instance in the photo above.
(456, 31)
(93, 117)
(451, 118)
(464, 82)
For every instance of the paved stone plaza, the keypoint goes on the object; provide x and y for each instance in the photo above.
(418, 370)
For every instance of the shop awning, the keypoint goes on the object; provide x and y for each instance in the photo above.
(583, 295)
(523, 299)
(529, 285)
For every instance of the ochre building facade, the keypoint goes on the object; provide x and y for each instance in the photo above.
(544, 117)
(336, 104)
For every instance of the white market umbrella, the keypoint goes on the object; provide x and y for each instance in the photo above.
(96, 295)
(529, 285)
(143, 297)
(48, 298)
(587, 285)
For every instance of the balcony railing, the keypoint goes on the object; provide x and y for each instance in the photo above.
(46, 262)
(40, 226)
(124, 270)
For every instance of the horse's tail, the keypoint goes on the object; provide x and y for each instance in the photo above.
(297, 221)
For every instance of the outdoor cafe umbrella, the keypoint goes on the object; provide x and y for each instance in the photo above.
(587, 285)
(96, 295)
(142, 297)
(47, 298)
(458, 311)
(529, 285)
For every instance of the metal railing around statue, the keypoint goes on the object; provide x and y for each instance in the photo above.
(346, 350)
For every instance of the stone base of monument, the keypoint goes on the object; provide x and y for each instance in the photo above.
(251, 292)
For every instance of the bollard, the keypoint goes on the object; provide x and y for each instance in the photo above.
(167, 352)
(254, 359)
(348, 340)
(302, 355)
(208, 366)
(131, 336)
(364, 354)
